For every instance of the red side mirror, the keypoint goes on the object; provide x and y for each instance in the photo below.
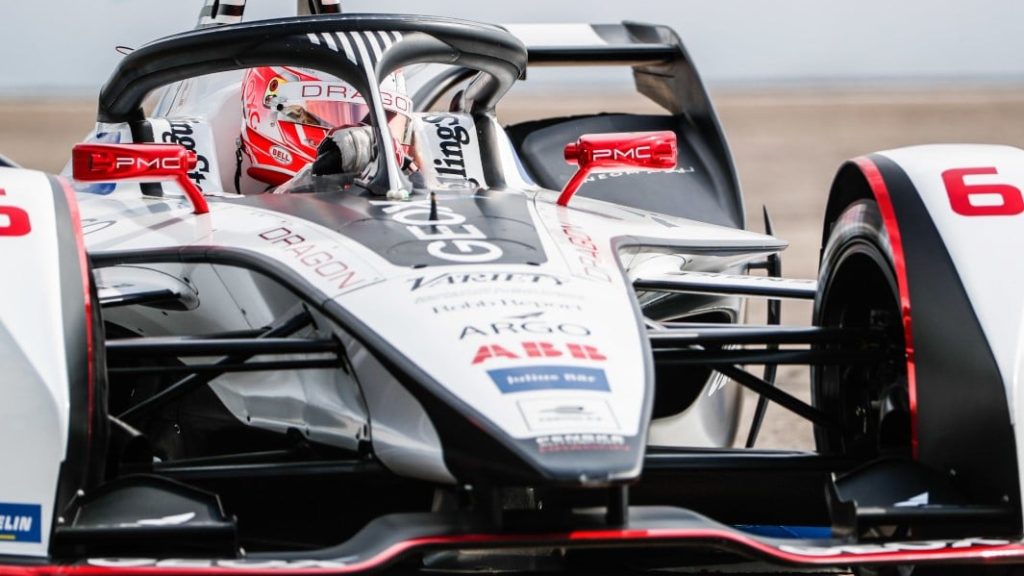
(138, 163)
(640, 150)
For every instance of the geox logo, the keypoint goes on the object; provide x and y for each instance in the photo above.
(20, 522)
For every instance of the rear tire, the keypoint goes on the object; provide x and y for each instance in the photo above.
(857, 288)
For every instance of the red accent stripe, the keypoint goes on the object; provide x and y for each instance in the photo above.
(76, 225)
(591, 537)
(881, 192)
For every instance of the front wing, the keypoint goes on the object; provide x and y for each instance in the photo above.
(393, 539)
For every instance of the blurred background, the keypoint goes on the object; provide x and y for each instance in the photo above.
(800, 86)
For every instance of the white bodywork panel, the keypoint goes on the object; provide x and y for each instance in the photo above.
(35, 398)
(494, 336)
(983, 248)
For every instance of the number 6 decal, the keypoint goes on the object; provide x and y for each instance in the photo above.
(981, 199)
(13, 221)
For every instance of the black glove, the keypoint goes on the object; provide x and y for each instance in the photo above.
(345, 151)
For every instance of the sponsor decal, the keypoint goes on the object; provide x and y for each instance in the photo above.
(538, 350)
(610, 175)
(585, 251)
(581, 443)
(533, 378)
(448, 237)
(183, 134)
(280, 155)
(490, 303)
(524, 324)
(449, 155)
(636, 153)
(311, 256)
(491, 227)
(136, 163)
(567, 414)
(452, 279)
(340, 92)
(20, 522)
(888, 547)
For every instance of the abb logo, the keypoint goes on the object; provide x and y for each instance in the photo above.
(981, 199)
(14, 221)
(638, 153)
(538, 350)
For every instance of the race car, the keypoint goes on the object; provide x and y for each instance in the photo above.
(526, 359)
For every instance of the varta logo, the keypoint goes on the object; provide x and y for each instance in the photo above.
(20, 522)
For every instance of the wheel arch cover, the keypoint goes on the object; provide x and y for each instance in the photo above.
(960, 393)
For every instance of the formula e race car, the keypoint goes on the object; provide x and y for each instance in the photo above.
(524, 357)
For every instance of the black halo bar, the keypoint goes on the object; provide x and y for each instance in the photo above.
(224, 368)
(715, 358)
(681, 334)
(194, 381)
(777, 395)
(177, 347)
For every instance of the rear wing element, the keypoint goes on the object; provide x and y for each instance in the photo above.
(662, 71)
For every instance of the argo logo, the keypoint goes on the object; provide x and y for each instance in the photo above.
(524, 327)
(280, 155)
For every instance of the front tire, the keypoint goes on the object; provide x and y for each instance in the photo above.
(857, 288)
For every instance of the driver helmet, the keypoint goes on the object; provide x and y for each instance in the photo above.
(288, 111)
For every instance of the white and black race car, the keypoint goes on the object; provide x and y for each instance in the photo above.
(526, 366)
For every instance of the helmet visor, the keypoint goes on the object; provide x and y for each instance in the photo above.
(331, 104)
(325, 113)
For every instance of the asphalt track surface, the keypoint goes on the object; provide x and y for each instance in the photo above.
(786, 145)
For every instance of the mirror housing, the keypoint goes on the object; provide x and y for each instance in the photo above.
(138, 163)
(630, 150)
